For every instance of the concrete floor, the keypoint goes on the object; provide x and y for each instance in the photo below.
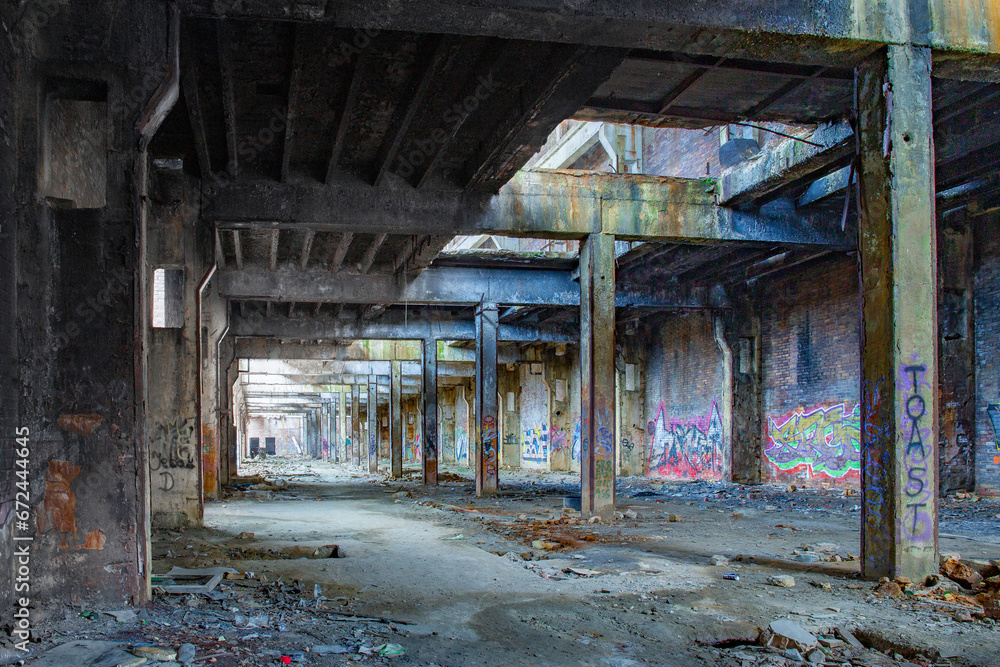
(474, 600)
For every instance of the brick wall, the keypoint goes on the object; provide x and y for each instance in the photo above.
(681, 153)
(987, 313)
(684, 382)
(810, 345)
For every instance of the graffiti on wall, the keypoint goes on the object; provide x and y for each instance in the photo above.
(534, 417)
(461, 427)
(411, 449)
(993, 410)
(686, 449)
(918, 521)
(535, 445)
(825, 441)
(172, 446)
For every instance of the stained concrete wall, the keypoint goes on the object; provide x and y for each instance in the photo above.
(77, 316)
(9, 70)
(956, 355)
(214, 319)
(173, 420)
(630, 367)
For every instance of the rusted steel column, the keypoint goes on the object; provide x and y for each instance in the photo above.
(488, 450)
(396, 420)
(356, 425)
(597, 375)
(897, 251)
(372, 423)
(430, 434)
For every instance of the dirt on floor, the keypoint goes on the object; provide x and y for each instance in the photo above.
(334, 566)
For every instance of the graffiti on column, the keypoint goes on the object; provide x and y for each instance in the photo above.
(823, 442)
(918, 524)
(372, 446)
(171, 447)
(576, 440)
(993, 410)
(489, 446)
(876, 461)
(561, 439)
(686, 449)
(604, 464)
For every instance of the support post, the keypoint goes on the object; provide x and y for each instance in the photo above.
(487, 451)
(342, 426)
(396, 419)
(597, 375)
(898, 266)
(429, 450)
(372, 423)
(356, 425)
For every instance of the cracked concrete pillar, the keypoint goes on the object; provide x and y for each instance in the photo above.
(597, 375)
(487, 469)
(372, 424)
(429, 395)
(897, 251)
(396, 419)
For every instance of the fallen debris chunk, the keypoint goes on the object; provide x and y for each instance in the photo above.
(245, 536)
(544, 544)
(961, 573)
(782, 580)
(785, 634)
(157, 653)
(848, 637)
(121, 615)
(719, 560)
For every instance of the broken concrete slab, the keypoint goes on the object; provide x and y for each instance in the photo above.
(785, 634)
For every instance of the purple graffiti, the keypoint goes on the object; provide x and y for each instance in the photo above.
(917, 457)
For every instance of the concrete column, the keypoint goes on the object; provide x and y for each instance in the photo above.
(897, 252)
(430, 454)
(372, 423)
(396, 419)
(742, 333)
(631, 413)
(342, 434)
(487, 469)
(597, 375)
(356, 425)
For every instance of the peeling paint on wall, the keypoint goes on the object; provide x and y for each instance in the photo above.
(825, 442)
(686, 449)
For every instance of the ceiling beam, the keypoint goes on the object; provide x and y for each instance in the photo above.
(228, 96)
(307, 243)
(428, 68)
(238, 248)
(341, 252)
(460, 286)
(196, 115)
(373, 248)
(344, 114)
(555, 90)
(561, 204)
(275, 238)
(786, 165)
(292, 108)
